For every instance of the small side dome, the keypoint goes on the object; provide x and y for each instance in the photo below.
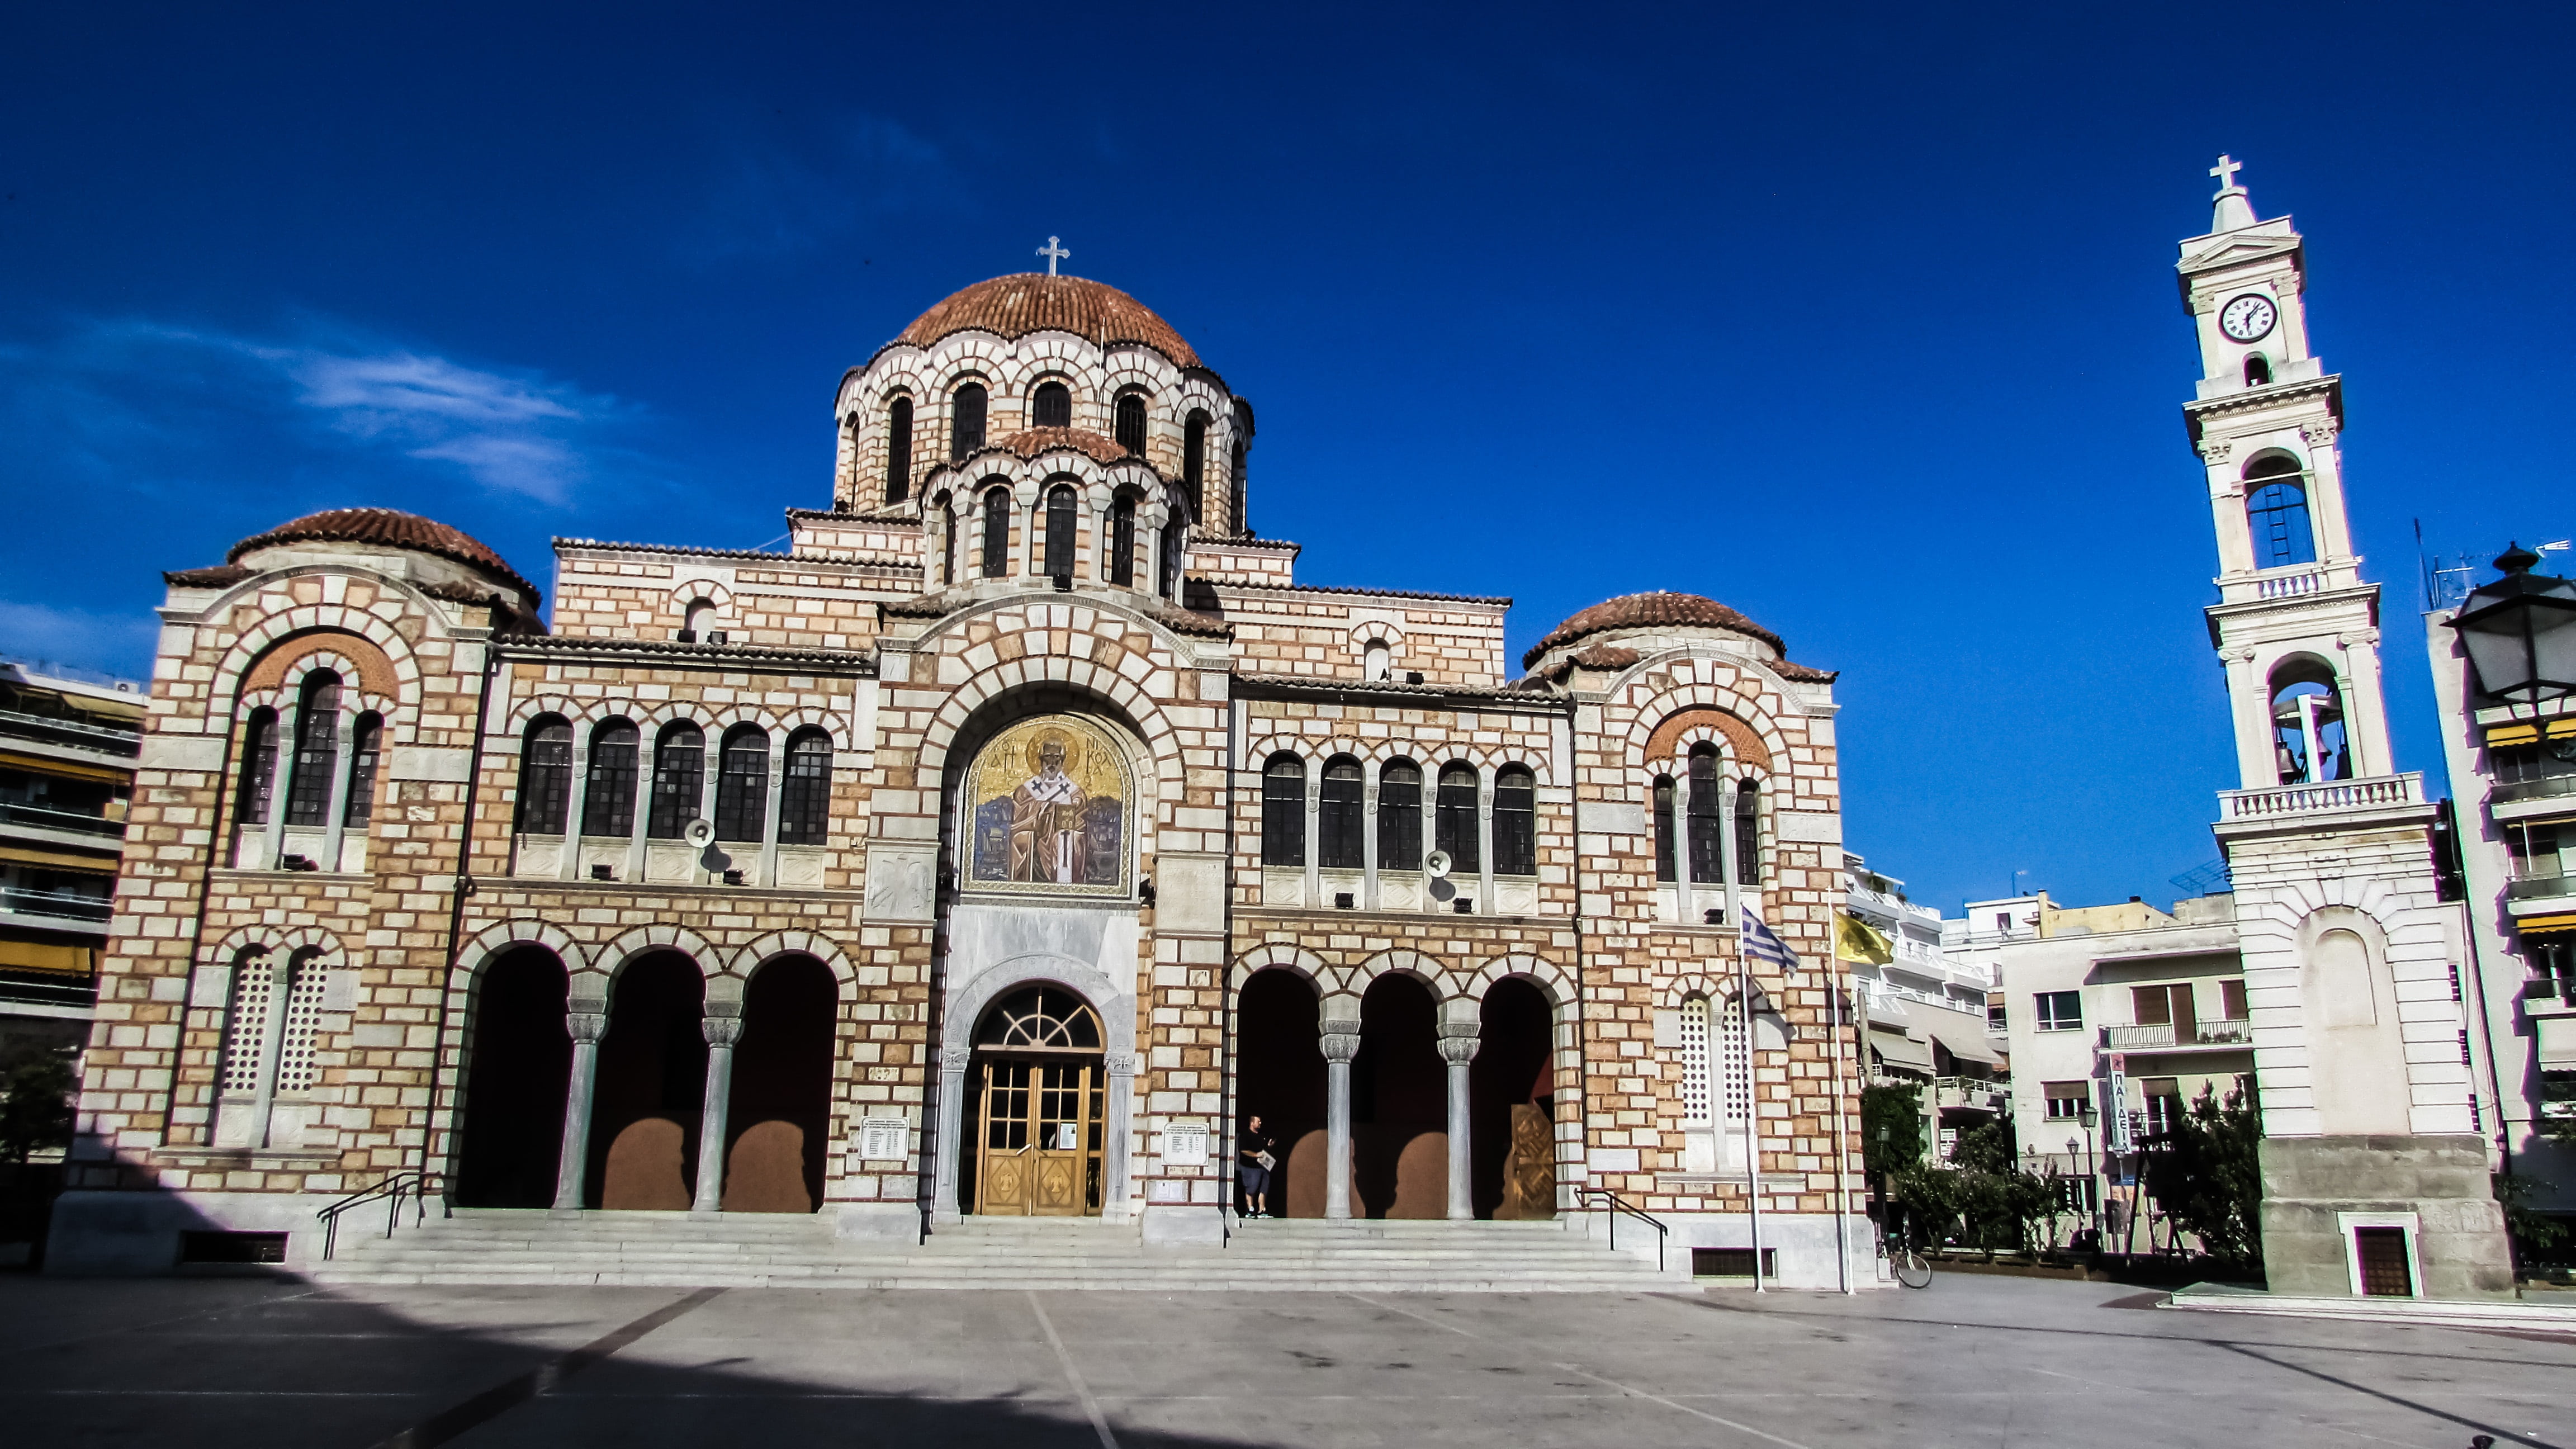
(387, 528)
(1650, 611)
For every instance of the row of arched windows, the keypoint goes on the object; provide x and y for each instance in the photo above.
(315, 769)
(1690, 814)
(1341, 824)
(676, 788)
(1059, 525)
(1051, 406)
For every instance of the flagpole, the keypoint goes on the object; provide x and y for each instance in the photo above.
(1744, 1009)
(1842, 1150)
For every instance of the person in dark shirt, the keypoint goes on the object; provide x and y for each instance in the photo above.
(1254, 1148)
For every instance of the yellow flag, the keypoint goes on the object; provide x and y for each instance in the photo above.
(1856, 940)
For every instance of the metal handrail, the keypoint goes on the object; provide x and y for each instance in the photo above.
(71, 821)
(61, 904)
(1620, 1205)
(393, 1188)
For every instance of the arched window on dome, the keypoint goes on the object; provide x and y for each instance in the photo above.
(1453, 822)
(1122, 540)
(1283, 811)
(966, 420)
(1399, 816)
(1234, 488)
(1174, 532)
(1194, 461)
(1051, 406)
(947, 539)
(1131, 423)
(1060, 519)
(2276, 511)
(997, 532)
(1338, 824)
(898, 474)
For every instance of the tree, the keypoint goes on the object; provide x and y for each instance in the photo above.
(36, 1085)
(1891, 1128)
(2207, 1176)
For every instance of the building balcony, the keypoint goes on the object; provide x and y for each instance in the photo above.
(2540, 895)
(76, 733)
(1972, 1094)
(2221, 1034)
(2533, 799)
(2303, 805)
(56, 910)
(37, 821)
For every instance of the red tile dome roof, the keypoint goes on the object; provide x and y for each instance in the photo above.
(386, 528)
(1650, 611)
(1026, 302)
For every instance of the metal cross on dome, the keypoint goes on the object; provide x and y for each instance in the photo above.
(1054, 252)
(2225, 171)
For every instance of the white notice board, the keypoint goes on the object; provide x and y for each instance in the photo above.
(884, 1139)
(1185, 1144)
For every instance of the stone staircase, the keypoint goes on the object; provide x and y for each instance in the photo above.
(670, 1249)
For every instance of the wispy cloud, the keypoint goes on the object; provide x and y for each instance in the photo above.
(127, 399)
(45, 634)
(785, 194)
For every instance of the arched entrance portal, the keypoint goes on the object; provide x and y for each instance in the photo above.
(515, 1089)
(779, 1120)
(1040, 1119)
(1399, 1105)
(1513, 1162)
(1281, 1080)
(652, 1088)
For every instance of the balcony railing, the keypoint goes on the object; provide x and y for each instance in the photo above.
(2548, 787)
(2290, 585)
(1976, 1094)
(2377, 792)
(60, 904)
(97, 737)
(2540, 887)
(2168, 1036)
(38, 817)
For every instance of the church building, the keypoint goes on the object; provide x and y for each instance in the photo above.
(998, 849)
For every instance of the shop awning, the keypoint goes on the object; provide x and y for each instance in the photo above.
(1899, 1050)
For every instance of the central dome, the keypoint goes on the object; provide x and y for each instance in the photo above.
(1027, 302)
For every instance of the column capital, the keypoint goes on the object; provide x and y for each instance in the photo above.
(587, 1027)
(953, 1059)
(1121, 1064)
(721, 1031)
(1340, 1045)
(1457, 1051)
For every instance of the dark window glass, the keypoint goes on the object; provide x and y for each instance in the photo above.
(805, 796)
(997, 533)
(898, 479)
(2277, 512)
(1234, 487)
(1707, 859)
(742, 785)
(1515, 822)
(259, 768)
(1059, 532)
(1194, 462)
(366, 744)
(1342, 839)
(1122, 541)
(1453, 824)
(1399, 816)
(1748, 832)
(545, 776)
(1664, 866)
(1131, 423)
(608, 802)
(679, 777)
(947, 540)
(1283, 811)
(966, 420)
(1052, 407)
(317, 750)
(1172, 561)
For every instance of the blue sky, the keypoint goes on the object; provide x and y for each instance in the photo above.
(1858, 318)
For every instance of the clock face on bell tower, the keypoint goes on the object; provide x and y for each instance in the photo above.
(2248, 318)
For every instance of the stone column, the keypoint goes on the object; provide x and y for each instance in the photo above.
(1114, 1198)
(1368, 835)
(587, 1019)
(1458, 1043)
(1484, 841)
(721, 1032)
(344, 763)
(944, 1207)
(576, 795)
(767, 875)
(1341, 1042)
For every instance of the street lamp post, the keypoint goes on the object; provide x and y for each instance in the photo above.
(2092, 1182)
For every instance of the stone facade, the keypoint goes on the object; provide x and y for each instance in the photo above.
(750, 877)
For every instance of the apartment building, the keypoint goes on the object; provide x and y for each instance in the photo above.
(67, 755)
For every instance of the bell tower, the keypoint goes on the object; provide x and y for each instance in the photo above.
(2295, 623)
(2374, 1165)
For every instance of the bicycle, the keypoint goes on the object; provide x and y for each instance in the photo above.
(1911, 1268)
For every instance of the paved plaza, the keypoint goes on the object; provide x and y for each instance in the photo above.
(284, 1365)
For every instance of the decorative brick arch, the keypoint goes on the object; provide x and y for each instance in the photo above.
(1276, 955)
(611, 960)
(1681, 986)
(484, 945)
(1552, 980)
(748, 960)
(230, 673)
(1677, 731)
(1429, 970)
(984, 687)
(271, 941)
(689, 591)
(291, 674)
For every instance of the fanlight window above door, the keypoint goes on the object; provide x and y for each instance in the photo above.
(1042, 1018)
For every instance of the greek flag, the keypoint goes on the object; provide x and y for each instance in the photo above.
(1767, 948)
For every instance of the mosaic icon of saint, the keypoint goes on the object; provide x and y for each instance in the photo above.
(1046, 822)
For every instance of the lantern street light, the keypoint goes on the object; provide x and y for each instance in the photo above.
(2520, 632)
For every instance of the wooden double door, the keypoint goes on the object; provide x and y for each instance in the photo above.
(1040, 1137)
